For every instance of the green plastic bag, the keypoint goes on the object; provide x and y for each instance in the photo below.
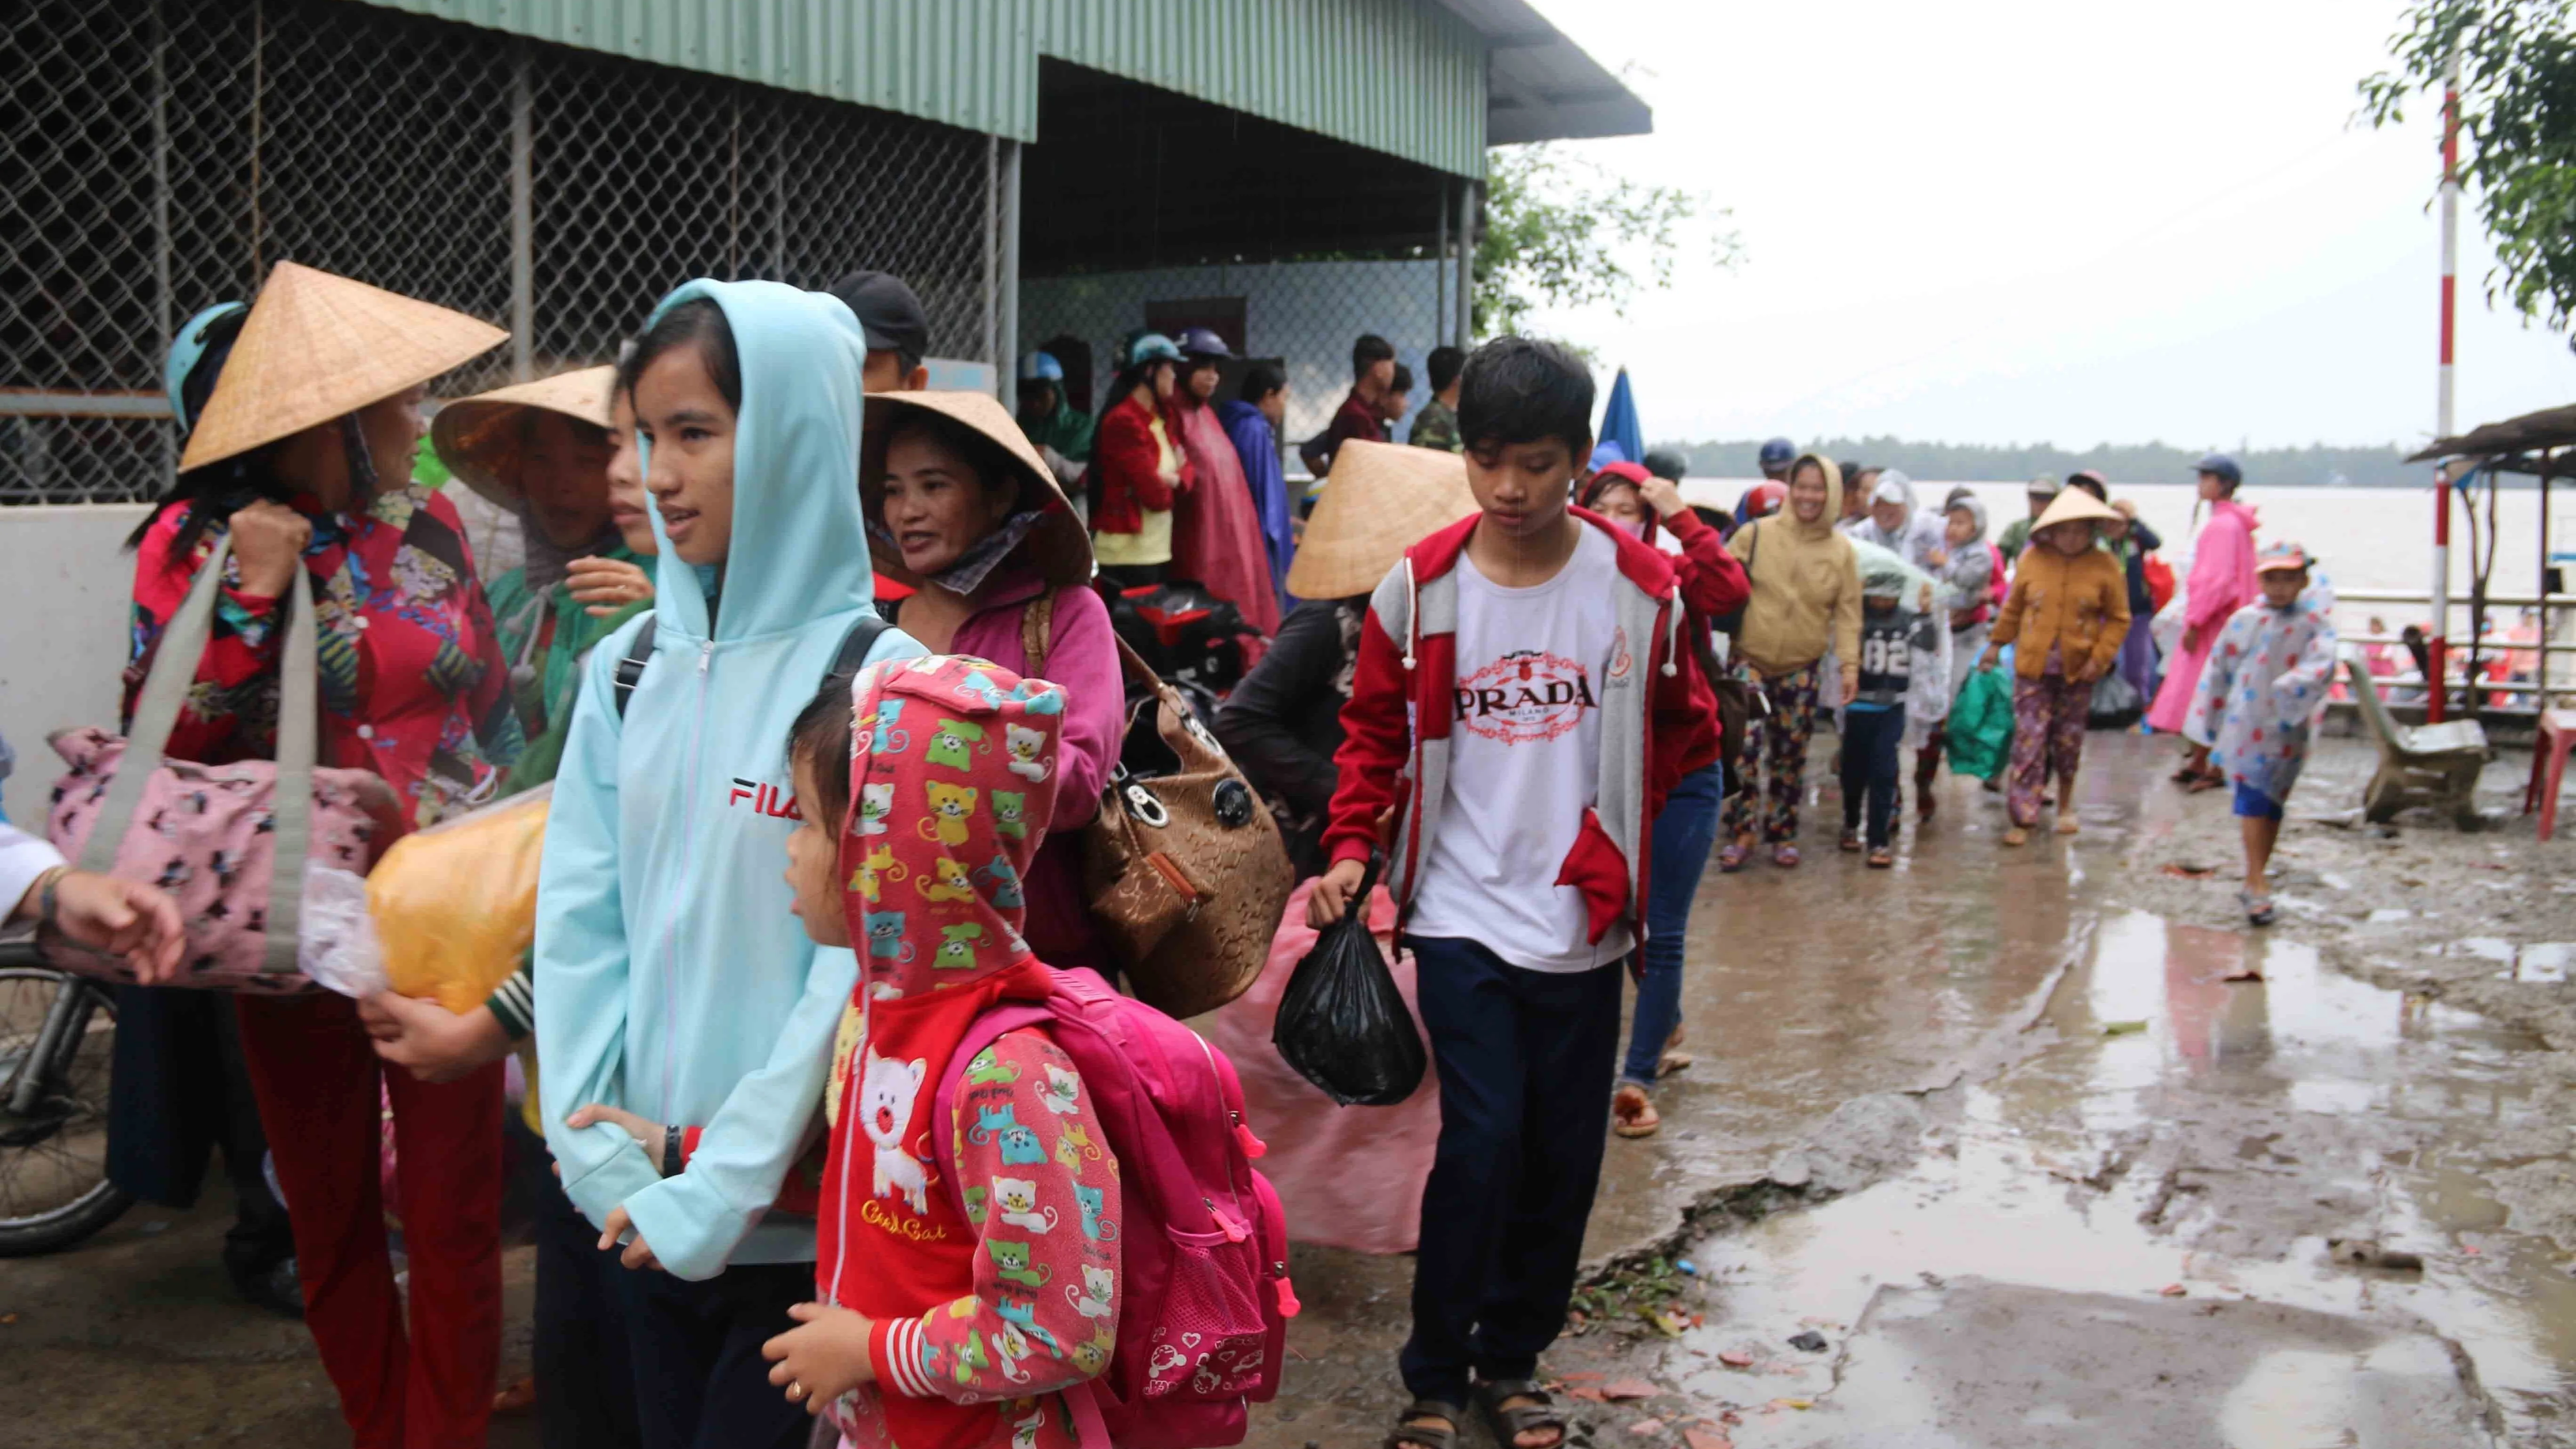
(1979, 735)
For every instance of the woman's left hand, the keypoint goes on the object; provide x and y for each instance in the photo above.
(651, 1136)
(823, 1357)
(1662, 496)
(607, 584)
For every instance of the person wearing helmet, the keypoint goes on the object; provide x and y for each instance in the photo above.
(1137, 469)
(1046, 415)
(1216, 526)
(1774, 460)
(178, 1090)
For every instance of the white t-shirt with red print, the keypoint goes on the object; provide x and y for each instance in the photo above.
(1525, 763)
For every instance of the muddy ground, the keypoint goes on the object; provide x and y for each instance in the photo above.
(1996, 1128)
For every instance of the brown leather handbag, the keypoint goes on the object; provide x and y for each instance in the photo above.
(1184, 869)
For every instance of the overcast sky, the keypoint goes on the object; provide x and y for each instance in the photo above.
(2023, 220)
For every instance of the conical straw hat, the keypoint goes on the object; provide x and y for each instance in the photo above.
(1381, 499)
(478, 437)
(318, 346)
(2075, 506)
(1059, 545)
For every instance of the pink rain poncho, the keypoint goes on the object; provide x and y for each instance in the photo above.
(1349, 1177)
(2222, 582)
(2265, 687)
(1216, 527)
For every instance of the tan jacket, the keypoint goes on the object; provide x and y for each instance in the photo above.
(2079, 606)
(1806, 587)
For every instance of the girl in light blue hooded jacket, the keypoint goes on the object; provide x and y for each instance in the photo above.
(672, 979)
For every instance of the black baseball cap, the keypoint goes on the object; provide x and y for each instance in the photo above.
(888, 312)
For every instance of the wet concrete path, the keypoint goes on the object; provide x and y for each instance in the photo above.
(2034, 1169)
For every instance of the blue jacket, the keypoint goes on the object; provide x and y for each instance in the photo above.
(1258, 446)
(672, 977)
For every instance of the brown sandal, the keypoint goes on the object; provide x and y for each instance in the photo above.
(1632, 1112)
(1508, 1425)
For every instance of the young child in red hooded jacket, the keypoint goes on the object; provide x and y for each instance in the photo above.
(945, 1318)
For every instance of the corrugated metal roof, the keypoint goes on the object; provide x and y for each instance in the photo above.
(1405, 77)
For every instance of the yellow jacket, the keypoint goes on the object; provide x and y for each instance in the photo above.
(1806, 586)
(2078, 606)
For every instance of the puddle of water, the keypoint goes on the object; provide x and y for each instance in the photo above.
(2030, 1188)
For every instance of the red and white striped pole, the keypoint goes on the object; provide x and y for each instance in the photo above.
(2437, 685)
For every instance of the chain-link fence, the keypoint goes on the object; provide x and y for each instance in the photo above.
(165, 153)
(1305, 313)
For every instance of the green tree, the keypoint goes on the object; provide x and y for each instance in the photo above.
(1557, 230)
(2517, 66)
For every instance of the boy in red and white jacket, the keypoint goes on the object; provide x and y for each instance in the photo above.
(1522, 703)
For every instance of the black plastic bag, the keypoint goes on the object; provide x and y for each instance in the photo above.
(1342, 1024)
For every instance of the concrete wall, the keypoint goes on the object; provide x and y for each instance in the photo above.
(65, 587)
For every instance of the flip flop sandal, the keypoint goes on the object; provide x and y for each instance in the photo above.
(2016, 836)
(1785, 856)
(1423, 1436)
(1673, 1061)
(1851, 841)
(2205, 782)
(1731, 859)
(1632, 1112)
(1508, 1425)
(1881, 859)
(2258, 909)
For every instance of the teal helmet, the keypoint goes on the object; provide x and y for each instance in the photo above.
(205, 338)
(1152, 346)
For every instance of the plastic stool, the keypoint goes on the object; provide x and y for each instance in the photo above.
(2549, 765)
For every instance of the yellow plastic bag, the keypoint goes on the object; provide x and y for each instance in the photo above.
(456, 905)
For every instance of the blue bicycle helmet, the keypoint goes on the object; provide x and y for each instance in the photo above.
(1152, 345)
(1778, 453)
(206, 337)
(1041, 367)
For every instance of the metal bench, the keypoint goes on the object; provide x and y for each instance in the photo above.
(2433, 765)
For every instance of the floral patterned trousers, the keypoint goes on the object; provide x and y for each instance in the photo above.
(1776, 742)
(2048, 739)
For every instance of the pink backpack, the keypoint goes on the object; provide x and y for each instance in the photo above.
(1204, 1244)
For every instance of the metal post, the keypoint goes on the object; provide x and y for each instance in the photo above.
(1467, 193)
(2439, 645)
(1007, 373)
(523, 219)
(2540, 591)
(992, 250)
(164, 314)
(1440, 314)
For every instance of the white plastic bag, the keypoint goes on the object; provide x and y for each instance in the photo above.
(337, 943)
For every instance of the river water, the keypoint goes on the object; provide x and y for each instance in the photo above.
(2366, 538)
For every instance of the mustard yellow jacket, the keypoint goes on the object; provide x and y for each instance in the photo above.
(2077, 606)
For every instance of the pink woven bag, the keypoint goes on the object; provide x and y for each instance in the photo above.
(230, 842)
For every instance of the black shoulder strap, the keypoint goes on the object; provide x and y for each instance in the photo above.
(863, 636)
(630, 670)
(855, 645)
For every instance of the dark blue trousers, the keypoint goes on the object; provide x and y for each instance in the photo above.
(700, 1382)
(585, 1384)
(1525, 1060)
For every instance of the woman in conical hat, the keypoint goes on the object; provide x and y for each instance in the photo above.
(545, 451)
(1350, 1177)
(961, 508)
(301, 462)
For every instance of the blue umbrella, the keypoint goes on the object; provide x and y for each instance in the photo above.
(1619, 420)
